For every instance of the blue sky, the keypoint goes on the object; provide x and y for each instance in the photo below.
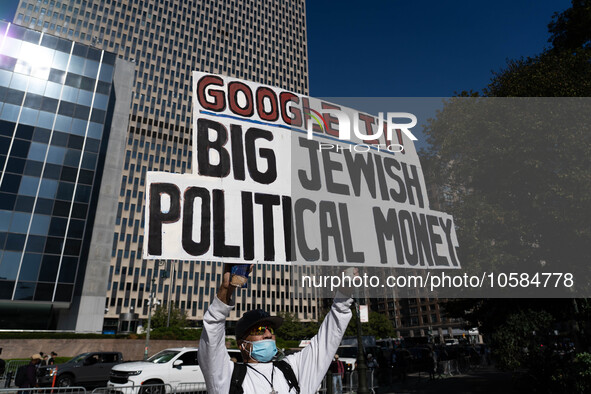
(394, 48)
(419, 48)
(7, 9)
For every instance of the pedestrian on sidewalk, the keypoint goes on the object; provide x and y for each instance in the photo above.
(51, 360)
(337, 368)
(26, 375)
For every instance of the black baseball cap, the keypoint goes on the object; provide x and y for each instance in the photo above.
(252, 318)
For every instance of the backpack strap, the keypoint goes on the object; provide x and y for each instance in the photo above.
(238, 375)
(289, 375)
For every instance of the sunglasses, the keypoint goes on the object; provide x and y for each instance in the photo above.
(260, 330)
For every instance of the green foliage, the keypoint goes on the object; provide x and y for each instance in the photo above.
(378, 326)
(176, 329)
(549, 372)
(175, 333)
(293, 329)
(557, 73)
(178, 318)
(519, 192)
(57, 335)
(520, 195)
(519, 189)
(524, 343)
(231, 343)
(520, 338)
(58, 360)
(570, 29)
(561, 71)
(287, 344)
(582, 372)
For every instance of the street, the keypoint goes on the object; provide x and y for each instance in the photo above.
(479, 381)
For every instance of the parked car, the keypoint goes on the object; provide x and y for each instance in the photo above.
(86, 369)
(171, 369)
(348, 355)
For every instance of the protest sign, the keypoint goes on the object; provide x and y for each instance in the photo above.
(285, 178)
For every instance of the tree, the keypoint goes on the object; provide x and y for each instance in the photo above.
(570, 29)
(378, 326)
(518, 177)
(519, 187)
(522, 336)
(555, 73)
(178, 318)
(293, 329)
(519, 181)
(561, 71)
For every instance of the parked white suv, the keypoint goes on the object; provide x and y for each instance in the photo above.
(171, 369)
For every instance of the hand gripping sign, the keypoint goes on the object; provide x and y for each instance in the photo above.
(283, 178)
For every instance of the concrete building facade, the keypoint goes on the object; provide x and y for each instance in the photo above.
(262, 41)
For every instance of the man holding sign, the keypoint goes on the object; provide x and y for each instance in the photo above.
(301, 372)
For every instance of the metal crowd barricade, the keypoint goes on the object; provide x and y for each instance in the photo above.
(325, 381)
(44, 390)
(10, 371)
(354, 382)
(143, 389)
(184, 388)
(446, 367)
(464, 364)
(347, 382)
(450, 367)
(192, 388)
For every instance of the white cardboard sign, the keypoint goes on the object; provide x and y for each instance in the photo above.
(274, 182)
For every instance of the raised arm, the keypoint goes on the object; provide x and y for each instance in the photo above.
(312, 363)
(214, 360)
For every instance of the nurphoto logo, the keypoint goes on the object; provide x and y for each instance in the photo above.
(350, 130)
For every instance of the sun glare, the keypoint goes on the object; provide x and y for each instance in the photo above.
(34, 60)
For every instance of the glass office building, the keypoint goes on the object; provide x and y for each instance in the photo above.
(56, 108)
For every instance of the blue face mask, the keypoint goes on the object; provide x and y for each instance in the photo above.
(263, 351)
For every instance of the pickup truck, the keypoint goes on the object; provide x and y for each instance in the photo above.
(175, 369)
(86, 369)
(348, 355)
